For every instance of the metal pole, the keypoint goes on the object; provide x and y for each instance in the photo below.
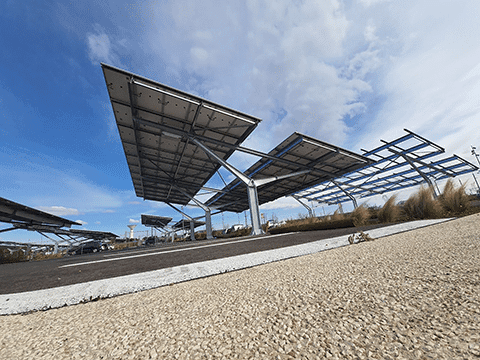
(310, 212)
(476, 182)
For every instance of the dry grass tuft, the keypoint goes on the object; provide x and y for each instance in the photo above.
(390, 212)
(124, 245)
(337, 216)
(41, 256)
(14, 256)
(422, 205)
(360, 215)
(454, 201)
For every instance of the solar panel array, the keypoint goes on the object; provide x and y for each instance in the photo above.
(185, 224)
(155, 123)
(155, 221)
(163, 131)
(391, 171)
(297, 153)
(15, 213)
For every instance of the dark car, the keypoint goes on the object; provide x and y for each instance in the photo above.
(86, 247)
(151, 240)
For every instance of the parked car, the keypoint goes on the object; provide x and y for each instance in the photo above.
(86, 247)
(151, 240)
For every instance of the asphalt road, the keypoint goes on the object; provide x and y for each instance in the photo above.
(37, 275)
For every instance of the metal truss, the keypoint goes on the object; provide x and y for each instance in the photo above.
(399, 164)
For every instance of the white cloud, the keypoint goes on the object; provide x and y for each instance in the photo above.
(101, 49)
(133, 221)
(432, 85)
(282, 203)
(368, 3)
(282, 61)
(59, 210)
(82, 222)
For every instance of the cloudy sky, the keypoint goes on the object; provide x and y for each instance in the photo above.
(346, 72)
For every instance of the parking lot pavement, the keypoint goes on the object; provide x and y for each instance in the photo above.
(129, 272)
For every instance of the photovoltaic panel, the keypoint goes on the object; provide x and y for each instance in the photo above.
(391, 171)
(155, 122)
(295, 154)
(15, 213)
(185, 224)
(156, 221)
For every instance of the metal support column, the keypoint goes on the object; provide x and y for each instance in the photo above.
(309, 209)
(208, 212)
(425, 177)
(192, 222)
(251, 186)
(254, 209)
(346, 193)
(208, 224)
(192, 230)
(55, 248)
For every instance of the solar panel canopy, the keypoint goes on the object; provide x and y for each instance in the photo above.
(297, 153)
(155, 122)
(392, 170)
(185, 224)
(155, 221)
(18, 214)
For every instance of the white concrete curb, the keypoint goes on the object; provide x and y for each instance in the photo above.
(79, 293)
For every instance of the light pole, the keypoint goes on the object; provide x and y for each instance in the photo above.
(476, 155)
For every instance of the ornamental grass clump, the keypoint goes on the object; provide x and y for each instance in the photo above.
(390, 212)
(360, 216)
(454, 200)
(422, 205)
(337, 215)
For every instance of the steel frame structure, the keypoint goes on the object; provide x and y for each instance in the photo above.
(164, 133)
(175, 142)
(398, 164)
(27, 218)
(157, 222)
(297, 163)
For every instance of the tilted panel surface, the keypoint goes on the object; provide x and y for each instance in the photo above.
(155, 123)
(158, 221)
(185, 224)
(299, 153)
(391, 171)
(15, 213)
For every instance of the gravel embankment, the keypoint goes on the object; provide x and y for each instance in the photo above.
(414, 295)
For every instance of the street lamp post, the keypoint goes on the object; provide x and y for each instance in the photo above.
(474, 153)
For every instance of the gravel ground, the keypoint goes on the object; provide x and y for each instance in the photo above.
(414, 295)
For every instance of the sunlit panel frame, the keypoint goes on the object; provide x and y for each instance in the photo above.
(297, 163)
(164, 133)
(15, 213)
(156, 123)
(399, 164)
(27, 218)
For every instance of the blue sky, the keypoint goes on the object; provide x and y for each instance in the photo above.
(346, 72)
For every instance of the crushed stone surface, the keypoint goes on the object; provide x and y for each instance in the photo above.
(414, 295)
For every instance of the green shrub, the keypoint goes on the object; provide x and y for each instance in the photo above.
(390, 212)
(422, 205)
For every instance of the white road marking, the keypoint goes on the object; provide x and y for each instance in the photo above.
(170, 251)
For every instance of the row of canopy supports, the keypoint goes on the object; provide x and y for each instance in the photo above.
(250, 183)
(410, 160)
